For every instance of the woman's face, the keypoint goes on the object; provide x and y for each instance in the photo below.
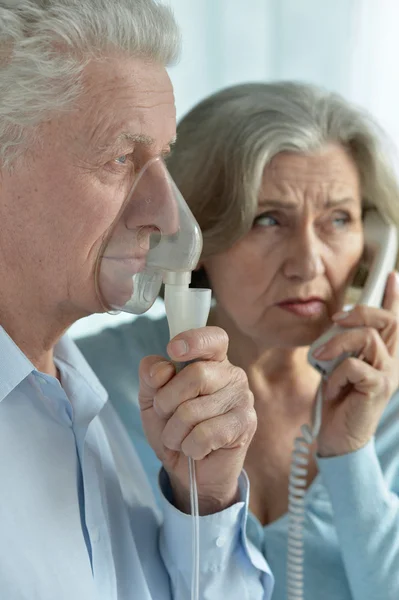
(283, 280)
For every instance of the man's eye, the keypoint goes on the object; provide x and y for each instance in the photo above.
(121, 160)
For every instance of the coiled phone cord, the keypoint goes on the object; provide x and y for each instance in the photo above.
(296, 501)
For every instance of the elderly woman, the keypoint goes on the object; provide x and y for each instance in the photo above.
(278, 177)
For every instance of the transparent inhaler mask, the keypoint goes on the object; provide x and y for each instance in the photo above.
(155, 239)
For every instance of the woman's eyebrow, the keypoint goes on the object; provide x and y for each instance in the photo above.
(331, 202)
(270, 203)
(286, 204)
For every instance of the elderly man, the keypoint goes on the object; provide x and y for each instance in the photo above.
(85, 101)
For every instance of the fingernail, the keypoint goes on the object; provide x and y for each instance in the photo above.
(319, 351)
(178, 348)
(397, 281)
(155, 369)
(340, 316)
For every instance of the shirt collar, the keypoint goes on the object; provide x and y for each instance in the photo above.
(14, 365)
(76, 375)
(84, 391)
(66, 351)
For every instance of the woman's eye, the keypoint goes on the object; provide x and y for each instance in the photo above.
(340, 220)
(266, 220)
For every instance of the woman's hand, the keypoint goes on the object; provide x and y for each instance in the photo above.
(358, 390)
(206, 411)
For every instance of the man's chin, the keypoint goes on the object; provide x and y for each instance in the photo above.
(96, 305)
(114, 298)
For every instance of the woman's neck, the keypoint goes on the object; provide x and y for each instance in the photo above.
(276, 375)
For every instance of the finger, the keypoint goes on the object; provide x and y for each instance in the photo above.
(206, 343)
(363, 316)
(363, 342)
(232, 430)
(383, 320)
(154, 372)
(356, 373)
(391, 296)
(391, 304)
(197, 379)
(189, 414)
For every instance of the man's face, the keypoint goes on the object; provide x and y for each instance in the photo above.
(58, 206)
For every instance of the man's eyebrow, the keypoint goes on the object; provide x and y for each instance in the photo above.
(172, 141)
(135, 138)
(140, 138)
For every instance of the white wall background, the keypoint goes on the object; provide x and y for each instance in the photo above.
(350, 46)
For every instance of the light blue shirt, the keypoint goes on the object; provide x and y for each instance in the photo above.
(77, 516)
(351, 531)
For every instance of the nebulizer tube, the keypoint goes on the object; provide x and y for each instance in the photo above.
(188, 308)
(155, 239)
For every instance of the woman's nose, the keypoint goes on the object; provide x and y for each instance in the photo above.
(305, 256)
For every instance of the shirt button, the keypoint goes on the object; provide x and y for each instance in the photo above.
(220, 541)
(95, 535)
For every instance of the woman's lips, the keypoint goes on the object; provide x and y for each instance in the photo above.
(313, 307)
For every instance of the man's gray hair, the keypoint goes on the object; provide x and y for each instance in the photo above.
(45, 45)
(225, 142)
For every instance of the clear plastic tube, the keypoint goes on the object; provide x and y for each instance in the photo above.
(195, 530)
(195, 550)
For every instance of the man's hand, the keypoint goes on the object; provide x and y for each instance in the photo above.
(205, 411)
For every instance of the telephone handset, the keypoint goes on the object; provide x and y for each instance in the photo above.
(379, 259)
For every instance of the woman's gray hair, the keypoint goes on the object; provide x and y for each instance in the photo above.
(45, 45)
(224, 143)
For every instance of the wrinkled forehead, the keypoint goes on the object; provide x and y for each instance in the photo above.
(331, 165)
(125, 99)
(324, 179)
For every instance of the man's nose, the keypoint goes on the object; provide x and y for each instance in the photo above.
(305, 259)
(153, 202)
